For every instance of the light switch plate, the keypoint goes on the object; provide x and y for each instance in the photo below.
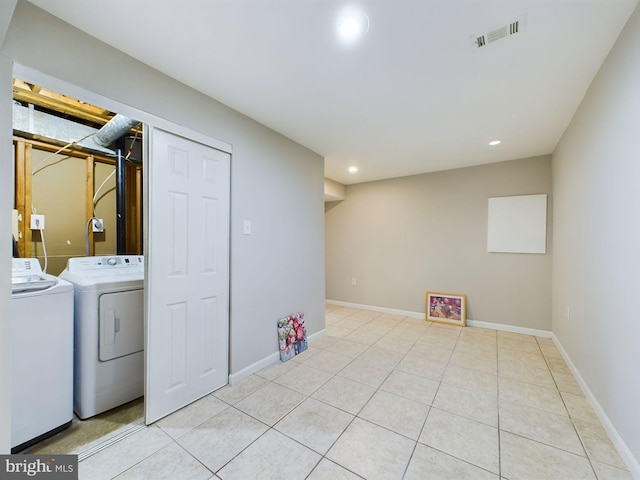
(15, 224)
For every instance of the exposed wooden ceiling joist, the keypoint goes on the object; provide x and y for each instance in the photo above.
(36, 95)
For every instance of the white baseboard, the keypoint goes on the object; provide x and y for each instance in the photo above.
(471, 323)
(376, 309)
(266, 361)
(510, 328)
(253, 368)
(632, 463)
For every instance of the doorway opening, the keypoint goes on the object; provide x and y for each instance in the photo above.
(185, 229)
(79, 174)
(67, 170)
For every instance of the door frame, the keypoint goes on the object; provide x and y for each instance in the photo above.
(34, 76)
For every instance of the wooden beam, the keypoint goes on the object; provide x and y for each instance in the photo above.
(51, 104)
(26, 92)
(134, 209)
(20, 196)
(70, 152)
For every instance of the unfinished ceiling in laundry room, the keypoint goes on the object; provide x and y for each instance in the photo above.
(426, 88)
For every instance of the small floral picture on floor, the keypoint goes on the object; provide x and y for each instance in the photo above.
(292, 336)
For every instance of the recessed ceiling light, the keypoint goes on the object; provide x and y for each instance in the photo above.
(352, 24)
(495, 142)
(353, 169)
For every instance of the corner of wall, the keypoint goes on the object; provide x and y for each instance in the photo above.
(6, 204)
(271, 359)
(333, 191)
(622, 448)
(6, 13)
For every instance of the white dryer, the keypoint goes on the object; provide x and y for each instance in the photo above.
(42, 354)
(109, 331)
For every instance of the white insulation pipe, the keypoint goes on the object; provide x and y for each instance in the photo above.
(114, 129)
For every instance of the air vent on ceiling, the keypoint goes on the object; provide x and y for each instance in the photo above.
(517, 26)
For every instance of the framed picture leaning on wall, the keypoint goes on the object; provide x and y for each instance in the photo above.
(448, 308)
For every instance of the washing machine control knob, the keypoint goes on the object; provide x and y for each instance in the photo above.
(112, 261)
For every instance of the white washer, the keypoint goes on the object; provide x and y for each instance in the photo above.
(42, 354)
(109, 331)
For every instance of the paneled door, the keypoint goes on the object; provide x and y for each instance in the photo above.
(187, 283)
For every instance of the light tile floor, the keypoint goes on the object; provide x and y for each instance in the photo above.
(383, 397)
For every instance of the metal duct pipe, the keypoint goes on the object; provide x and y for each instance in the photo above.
(114, 129)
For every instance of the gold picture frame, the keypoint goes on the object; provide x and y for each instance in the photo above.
(450, 308)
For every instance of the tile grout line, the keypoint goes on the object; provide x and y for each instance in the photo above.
(110, 441)
(378, 389)
(572, 420)
(498, 407)
(367, 402)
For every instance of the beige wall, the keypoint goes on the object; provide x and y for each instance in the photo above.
(275, 183)
(59, 193)
(402, 237)
(596, 177)
(106, 243)
(333, 191)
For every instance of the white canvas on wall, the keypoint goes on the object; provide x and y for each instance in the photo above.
(517, 224)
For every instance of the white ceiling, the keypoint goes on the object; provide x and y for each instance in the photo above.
(412, 96)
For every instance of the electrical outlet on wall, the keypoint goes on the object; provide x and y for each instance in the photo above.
(37, 222)
(97, 225)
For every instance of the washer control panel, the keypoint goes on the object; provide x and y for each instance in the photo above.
(26, 275)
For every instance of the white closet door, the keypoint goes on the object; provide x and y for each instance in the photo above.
(187, 297)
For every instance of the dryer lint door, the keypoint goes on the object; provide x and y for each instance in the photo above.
(121, 324)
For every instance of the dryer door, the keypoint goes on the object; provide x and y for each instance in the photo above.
(121, 324)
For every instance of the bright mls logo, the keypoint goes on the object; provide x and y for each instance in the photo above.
(51, 467)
